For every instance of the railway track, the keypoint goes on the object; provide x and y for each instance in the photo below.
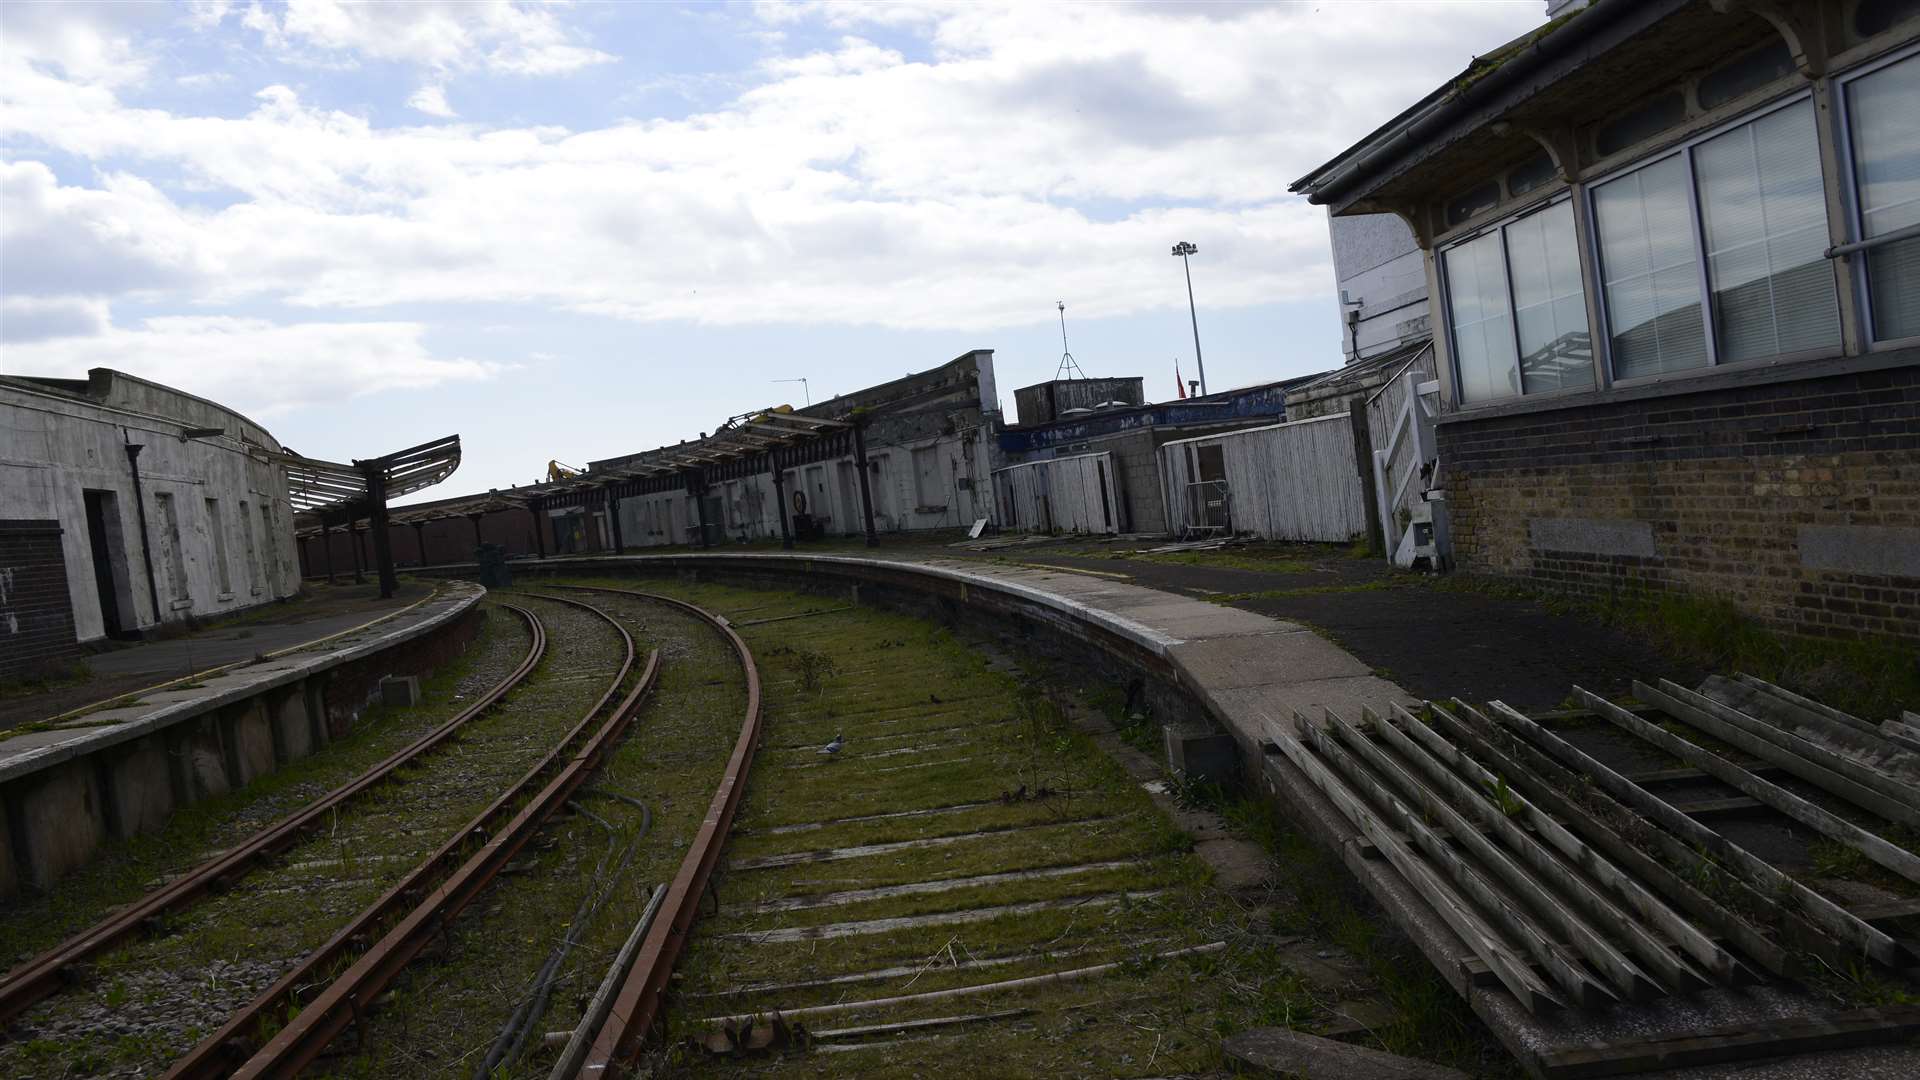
(963, 815)
(47, 974)
(409, 914)
(618, 1021)
(146, 982)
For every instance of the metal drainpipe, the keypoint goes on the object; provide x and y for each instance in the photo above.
(140, 509)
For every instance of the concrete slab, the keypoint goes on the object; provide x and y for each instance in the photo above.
(198, 745)
(292, 722)
(37, 740)
(1257, 706)
(166, 708)
(1266, 659)
(60, 809)
(9, 869)
(1197, 619)
(1297, 1055)
(142, 785)
(252, 743)
(104, 717)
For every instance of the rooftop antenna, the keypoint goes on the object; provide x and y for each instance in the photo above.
(804, 389)
(1069, 367)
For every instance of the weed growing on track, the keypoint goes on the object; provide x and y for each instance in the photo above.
(444, 1013)
(987, 774)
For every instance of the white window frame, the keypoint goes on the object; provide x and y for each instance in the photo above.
(1850, 194)
(1603, 347)
(1513, 316)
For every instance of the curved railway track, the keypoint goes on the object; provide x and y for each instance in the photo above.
(611, 1034)
(283, 1029)
(375, 946)
(45, 975)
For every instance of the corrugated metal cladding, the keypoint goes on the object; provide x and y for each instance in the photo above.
(1043, 403)
(1293, 481)
(1071, 494)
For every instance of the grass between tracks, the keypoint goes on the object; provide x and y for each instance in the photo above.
(944, 753)
(445, 1012)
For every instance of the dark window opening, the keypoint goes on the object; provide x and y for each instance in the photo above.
(1483, 198)
(1877, 16)
(1532, 173)
(1640, 123)
(1744, 74)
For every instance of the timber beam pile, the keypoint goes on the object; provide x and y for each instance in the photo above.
(1579, 885)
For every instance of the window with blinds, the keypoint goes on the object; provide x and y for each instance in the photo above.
(1764, 216)
(1517, 309)
(1884, 131)
(1739, 216)
(1483, 353)
(1650, 270)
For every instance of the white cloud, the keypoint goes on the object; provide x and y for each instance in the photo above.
(123, 237)
(848, 186)
(36, 318)
(445, 35)
(90, 44)
(257, 366)
(432, 100)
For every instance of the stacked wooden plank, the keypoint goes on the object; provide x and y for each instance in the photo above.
(1577, 885)
(1523, 882)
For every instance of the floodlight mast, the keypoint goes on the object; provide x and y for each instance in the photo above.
(1184, 249)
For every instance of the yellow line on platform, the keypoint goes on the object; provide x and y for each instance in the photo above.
(1074, 570)
(132, 697)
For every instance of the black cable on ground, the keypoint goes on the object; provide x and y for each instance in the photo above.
(511, 1042)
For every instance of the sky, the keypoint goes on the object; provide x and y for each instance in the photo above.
(571, 231)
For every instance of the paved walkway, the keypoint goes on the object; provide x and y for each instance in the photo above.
(1435, 639)
(1421, 633)
(24, 752)
(137, 667)
(1438, 640)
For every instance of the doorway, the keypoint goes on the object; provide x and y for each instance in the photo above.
(110, 582)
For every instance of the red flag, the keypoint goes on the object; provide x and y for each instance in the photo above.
(1181, 386)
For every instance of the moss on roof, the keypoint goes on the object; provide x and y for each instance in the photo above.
(1484, 65)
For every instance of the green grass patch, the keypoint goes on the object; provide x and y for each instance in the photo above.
(1870, 679)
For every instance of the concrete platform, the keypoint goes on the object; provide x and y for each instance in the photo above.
(124, 770)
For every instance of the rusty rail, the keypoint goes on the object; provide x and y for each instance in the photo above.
(421, 906)
(43, 977)
(638, 1003)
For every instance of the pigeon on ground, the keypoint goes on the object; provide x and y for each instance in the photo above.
(832, 749)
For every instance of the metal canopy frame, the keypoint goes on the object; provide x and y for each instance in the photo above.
(751, 444)
(343, 494)
(764, 441)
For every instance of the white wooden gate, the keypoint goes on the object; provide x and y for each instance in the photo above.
(1291, 481)
(1406, 470)
(1069, 494)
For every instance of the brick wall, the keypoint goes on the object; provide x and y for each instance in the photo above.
(449, 540)
(36, 611)
(1798, 501)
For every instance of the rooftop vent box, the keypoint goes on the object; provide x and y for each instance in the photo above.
(1043, 403)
